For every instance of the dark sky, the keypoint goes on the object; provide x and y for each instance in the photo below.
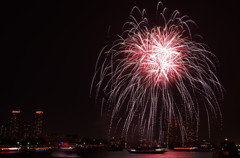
(49, 49)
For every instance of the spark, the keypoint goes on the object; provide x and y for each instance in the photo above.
(156, 77)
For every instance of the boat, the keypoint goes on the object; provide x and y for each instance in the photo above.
(185, 148)
(9, 149)
(147, 151)
(40, 149)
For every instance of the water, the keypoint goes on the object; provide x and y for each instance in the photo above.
(123, 154)
(170, 154)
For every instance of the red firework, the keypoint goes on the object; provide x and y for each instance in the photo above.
(158, 54)
(137, 70)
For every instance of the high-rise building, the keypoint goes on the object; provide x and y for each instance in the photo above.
(3, 131)
(38, 124)
(14, 127)
(26, 130)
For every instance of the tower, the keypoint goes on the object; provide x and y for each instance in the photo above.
(38, 124)
(3, 131)
(26, 129)
(14, 126)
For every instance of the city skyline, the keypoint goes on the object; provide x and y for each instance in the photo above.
(49, 51)
(16, 127)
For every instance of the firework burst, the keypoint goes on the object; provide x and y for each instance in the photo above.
(154, 77)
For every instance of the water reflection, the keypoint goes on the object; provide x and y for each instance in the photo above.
(117, 154)
(9, 152)
(170, 154)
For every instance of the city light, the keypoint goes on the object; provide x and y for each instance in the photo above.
(10, 149)
(39, 112)
(16, 111)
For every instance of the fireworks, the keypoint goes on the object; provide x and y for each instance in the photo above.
(156, 77)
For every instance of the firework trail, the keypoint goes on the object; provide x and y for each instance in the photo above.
(154, 77)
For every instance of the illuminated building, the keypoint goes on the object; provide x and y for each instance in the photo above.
(3, 131)
(38, 124)
(14, 126)
(26, 130)
(174, 135)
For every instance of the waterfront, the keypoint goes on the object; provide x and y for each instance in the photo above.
(116, 154)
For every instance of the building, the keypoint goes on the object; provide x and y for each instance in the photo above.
(3, 131)
(26, 130)
(14, 126)
(38, 124)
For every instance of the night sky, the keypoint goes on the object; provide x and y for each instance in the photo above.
(49, 50)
